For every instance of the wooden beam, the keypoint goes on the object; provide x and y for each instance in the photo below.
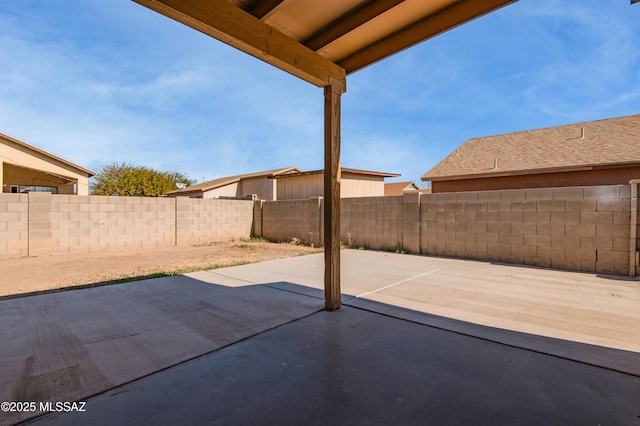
(451, 17)
(235, 27)
(332, 295)
(348, 23)
(263, 8)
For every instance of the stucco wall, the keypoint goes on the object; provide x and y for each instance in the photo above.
(37, 224)
(15, 154)
(230, 190)
(21, 176)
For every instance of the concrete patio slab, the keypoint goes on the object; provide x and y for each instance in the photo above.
(68, 346)
(354, 367)
(582, 307)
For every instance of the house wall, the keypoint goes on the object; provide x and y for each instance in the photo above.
(17, 155)
(581, 228)
(307, 186)
(617, 176)
(21, 176)
(300, 187)
(361, 186)
(38, 224)
(263, 187)
(230, 190)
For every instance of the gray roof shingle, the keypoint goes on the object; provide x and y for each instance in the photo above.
(613, 141)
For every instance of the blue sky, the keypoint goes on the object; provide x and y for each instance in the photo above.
(98, 82)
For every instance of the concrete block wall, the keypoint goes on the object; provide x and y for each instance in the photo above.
(282, 221)
(60, 224)
(372, 222)
(14, 225)
(634, 242)
(591, 228)
(581, 228)
(37, 224)
(200, 221)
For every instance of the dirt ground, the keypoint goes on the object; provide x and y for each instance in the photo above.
(36, 274)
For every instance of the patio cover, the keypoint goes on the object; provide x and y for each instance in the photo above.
(322, 42)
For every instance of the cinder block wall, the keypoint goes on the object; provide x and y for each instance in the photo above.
(200, 221)
(37, 224)
(14, 225)
(372, 222)
(284, 220)
(581, 228)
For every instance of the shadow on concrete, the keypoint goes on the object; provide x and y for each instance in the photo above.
(264, 361)
(67, 346)
(84, 286)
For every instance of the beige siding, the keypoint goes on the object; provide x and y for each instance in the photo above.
(308, 186)
(300, 187)
(361, 186)
(263, 187)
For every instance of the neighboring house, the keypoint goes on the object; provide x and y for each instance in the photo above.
(399, 188)
(25, 168)
(260, 184)
(602, 152)
(353, 183)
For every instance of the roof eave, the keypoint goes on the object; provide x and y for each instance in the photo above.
(88, 172)
(508, 173)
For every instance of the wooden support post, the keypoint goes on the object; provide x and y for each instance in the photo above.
(332, 294)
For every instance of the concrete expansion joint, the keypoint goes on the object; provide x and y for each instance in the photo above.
(215, 272)
(412, 278)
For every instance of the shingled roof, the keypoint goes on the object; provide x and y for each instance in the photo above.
(580, 146)
(398, 188)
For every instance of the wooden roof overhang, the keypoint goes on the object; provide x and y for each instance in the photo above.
(322, 42)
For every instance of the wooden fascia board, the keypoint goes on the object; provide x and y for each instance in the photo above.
(235, 27)
(348, 23)
(449, 18)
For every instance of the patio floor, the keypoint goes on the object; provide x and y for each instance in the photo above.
(420, 339)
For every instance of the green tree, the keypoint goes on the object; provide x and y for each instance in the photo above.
(136, 181)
